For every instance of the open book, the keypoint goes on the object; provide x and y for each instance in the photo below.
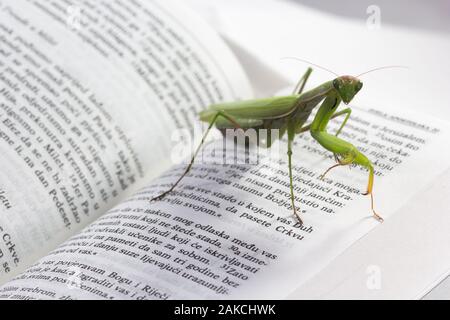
(92, 100)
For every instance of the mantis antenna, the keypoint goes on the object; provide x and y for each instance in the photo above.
(381, 68)
(330, 71)
(313, 64)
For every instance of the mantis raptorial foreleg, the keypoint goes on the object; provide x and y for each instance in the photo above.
(205, 135)
(338, 146)
(348, 160)
(345, 112)
(351, 155)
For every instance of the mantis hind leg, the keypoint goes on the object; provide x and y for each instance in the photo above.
(302, 82)
(188, 168)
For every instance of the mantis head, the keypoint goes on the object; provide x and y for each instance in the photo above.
(347, 87)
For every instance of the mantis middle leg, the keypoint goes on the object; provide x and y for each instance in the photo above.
(211, 124)
(345, 112)
(291, 135)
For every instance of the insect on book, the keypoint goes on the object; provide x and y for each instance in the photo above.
(94, 103)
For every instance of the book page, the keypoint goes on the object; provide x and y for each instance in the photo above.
(228, 230)
(90, 92)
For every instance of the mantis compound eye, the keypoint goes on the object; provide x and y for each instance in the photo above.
(359, 86)
(336, 83)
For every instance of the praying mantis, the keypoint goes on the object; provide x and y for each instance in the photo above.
(290, 114)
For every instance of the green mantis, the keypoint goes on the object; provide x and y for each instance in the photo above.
(290, 114)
